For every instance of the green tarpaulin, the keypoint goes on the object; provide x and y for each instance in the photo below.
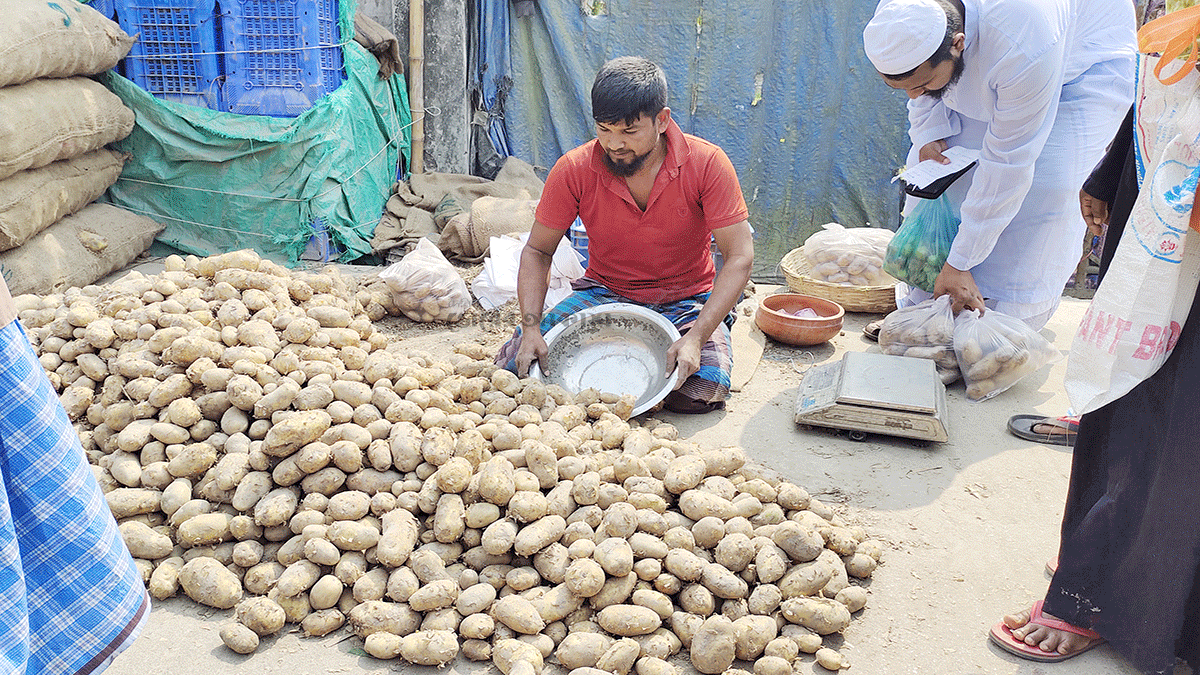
(221, 182)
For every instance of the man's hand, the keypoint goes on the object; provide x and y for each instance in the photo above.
(960, 286)
(933, 150)
(533, 346)
(1095, 213)
(684, 354)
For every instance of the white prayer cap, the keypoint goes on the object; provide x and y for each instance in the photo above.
(903, 34)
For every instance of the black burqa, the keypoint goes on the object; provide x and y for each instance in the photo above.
(1130, 552)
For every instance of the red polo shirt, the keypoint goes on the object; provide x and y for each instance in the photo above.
(660, 254)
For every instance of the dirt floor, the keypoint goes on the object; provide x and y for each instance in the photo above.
(969, 524)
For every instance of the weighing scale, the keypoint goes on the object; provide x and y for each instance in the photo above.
(875, 393)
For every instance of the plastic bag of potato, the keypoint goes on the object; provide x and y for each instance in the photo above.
(995, 350)
(848, 256)
(426, 287)
(923, 331)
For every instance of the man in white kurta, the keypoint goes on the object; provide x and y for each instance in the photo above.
(1037, 86)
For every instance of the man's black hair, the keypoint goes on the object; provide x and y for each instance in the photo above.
(626, 88)
(954, 26)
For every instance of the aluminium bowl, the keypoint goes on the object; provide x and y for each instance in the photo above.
(774, 317)
(617, 348)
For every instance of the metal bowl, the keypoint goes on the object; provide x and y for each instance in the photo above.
(616, 348)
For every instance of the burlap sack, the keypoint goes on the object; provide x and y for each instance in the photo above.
(468, 238)
(77, 250)
(47, 120)
(56, 39)
(32, 200)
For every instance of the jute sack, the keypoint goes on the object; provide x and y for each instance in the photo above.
(77, 250)
(490, 217)
(56, 39)
(32, 200)
(47, 120)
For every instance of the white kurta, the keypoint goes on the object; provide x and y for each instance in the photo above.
(1044, 86)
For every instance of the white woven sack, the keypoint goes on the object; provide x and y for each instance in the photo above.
(1138, 312)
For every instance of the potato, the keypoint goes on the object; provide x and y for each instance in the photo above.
(582, 650)
(376, 616)
(620, 657)
(628, 620)
(820, 615)
(507, 653)
(261, 615)
(208, 582)
(753, 632)
(585, 577)
(239, 638)
(830, 659)
(714, 645)
(322, 622)
(429, 647)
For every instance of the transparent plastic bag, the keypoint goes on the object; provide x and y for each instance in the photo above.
(426, 287)
(919, 250)
(923, 331)
(850, 256)
(996, 350)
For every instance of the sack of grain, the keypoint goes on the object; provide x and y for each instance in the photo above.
(32, 200)
(56, 39)
(47, 120)
(77, 250)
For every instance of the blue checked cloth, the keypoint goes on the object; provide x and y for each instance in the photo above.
(70, 595)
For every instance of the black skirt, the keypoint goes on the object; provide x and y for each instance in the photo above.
(1129, 561)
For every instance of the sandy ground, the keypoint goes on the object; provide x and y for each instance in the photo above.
(969, 525)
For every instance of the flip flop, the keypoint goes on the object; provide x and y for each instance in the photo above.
(1003, 638)
(871, 330)
(1052, 566)
(1022, 426)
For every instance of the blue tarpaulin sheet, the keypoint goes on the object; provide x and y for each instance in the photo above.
(782, 85)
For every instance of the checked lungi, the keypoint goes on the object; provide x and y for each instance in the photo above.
(70, 595)
(709, 384)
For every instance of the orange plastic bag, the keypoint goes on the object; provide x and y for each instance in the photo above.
(1174, 35)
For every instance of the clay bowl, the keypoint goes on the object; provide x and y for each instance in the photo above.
(774, 317)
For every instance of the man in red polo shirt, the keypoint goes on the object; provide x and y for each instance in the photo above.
(652, 200)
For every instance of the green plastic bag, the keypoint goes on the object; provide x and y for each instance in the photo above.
(919, 250)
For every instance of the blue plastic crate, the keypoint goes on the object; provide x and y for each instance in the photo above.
(579, 240)
(105, 7)
(281, 55)
(175, 57)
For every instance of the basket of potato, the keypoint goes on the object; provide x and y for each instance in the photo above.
(996, 350)
(844, 265)
(923, 331)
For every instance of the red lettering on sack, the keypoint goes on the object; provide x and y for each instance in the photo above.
(1149, 344)
(1085, 324)
(1123, 326)
(1176, 329)
(1101, 327)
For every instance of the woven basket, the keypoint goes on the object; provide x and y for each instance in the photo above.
(874, 299)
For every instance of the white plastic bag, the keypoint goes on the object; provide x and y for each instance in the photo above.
(995, 350)
(923, 331)
(848, 256)
(426, 287)
(497, 284)
(1138, 312)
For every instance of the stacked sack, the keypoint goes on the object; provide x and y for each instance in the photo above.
(54, 125)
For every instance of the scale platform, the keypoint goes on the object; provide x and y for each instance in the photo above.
(875, 393)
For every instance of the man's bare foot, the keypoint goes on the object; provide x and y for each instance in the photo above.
(1049, 640)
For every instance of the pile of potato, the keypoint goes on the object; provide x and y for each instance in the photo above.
(265, 450)
(924, 331)
(996, 350)
(848, 256)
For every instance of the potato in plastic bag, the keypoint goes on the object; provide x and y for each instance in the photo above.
(996, 350)
(923, 331)
(920, 248)
(848, 256)
(426, 287)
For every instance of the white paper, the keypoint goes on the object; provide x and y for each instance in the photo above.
(930, 170)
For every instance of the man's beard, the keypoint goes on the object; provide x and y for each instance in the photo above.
(954, 75)
(626, 169)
